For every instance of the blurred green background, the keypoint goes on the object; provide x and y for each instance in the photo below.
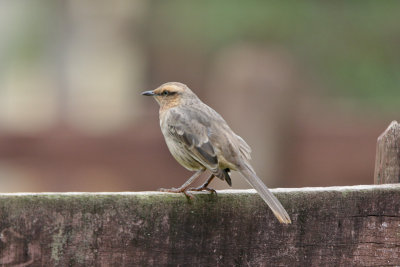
(309, 84)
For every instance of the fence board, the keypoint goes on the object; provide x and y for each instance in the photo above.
(332, 226)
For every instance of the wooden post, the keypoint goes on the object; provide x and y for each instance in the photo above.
(387, 162)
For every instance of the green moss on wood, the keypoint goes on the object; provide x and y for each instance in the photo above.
(330, 225)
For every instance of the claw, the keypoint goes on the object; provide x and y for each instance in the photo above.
(203, 188)
(188, 195)
(185, 187)
(178, 190)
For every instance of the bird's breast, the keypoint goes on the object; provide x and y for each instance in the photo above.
(178, 149)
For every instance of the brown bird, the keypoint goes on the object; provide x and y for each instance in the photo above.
(200, 139)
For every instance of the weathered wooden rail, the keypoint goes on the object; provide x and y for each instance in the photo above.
(332, 226)
(356, 225)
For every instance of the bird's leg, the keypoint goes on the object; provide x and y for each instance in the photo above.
(204, 187)
(184, 188)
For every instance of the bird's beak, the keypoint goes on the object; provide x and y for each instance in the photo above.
(148, 93)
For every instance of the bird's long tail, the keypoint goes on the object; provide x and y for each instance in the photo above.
(251, 177)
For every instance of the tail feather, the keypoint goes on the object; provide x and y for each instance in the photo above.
(223, 174)
(251, 177)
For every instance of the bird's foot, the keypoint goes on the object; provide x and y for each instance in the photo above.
(178, 190)
(203, 188)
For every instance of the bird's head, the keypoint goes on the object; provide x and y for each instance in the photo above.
(171, 94)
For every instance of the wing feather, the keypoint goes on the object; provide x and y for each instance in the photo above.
(195, 137)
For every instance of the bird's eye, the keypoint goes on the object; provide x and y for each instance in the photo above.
(165, 93)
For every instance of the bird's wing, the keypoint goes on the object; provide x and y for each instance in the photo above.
(244, 148)
(192, 129)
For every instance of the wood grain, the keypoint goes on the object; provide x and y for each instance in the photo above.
(387, 162)
(332, 226)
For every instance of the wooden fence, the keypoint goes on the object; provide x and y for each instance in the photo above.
(332, 226)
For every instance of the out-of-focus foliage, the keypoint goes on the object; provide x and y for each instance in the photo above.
(352, 47)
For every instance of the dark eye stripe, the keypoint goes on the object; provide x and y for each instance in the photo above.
(166, 93)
